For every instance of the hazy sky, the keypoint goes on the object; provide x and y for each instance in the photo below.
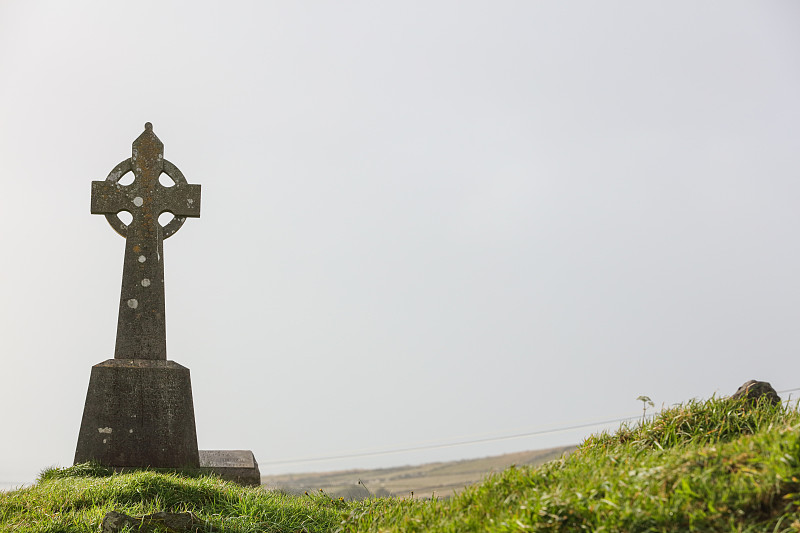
(422, 222)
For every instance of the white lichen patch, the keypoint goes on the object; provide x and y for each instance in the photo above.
(104, 430)
(133, 303)
(142, 259)
(138, 201)
(145, 282)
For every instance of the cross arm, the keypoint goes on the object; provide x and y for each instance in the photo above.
(182, 200)
(107, 198)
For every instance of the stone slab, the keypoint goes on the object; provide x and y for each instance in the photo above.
(239, 466)
(139, 413)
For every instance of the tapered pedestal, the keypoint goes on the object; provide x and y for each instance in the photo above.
(139, 413)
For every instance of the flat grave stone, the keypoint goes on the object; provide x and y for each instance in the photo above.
(234, 465)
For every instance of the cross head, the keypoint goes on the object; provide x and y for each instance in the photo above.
(141, 325)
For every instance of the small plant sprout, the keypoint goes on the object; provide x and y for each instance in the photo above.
(365, 487)
(645, 402)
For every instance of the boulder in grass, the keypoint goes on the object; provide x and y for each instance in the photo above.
(115, 522)
(754, 390)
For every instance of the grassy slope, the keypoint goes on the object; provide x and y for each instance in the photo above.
(76, 500)
(703, 466)
(710, 466)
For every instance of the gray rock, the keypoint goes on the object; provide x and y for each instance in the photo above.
(115, 522)
(754, 390)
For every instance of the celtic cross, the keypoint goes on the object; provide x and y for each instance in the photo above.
(141, 325)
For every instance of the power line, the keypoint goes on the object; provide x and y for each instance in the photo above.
(449, 444)
(466, 442)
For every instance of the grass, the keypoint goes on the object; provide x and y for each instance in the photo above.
(718, 465)
(715, 465)
(76, 500)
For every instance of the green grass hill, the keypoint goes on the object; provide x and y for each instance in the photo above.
(715, 465)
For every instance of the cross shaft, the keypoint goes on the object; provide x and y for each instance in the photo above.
(141, 324)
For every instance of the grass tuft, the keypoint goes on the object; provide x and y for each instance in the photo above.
(698, 422)
(90, 469)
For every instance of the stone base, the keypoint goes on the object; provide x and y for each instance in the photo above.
(139, 413)
(239, 466)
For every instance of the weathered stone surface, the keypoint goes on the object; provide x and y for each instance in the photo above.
(139, 413)
(239, 466)
(753, 390)
(115, 522)
(141, 324)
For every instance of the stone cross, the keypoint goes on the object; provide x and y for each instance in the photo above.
(141, 326)
(139, 411)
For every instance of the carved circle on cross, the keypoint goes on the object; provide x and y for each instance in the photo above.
(170, 170)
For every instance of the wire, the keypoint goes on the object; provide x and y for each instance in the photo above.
(466, 442)
(450, 444)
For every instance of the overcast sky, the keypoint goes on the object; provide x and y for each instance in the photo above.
(422, 222)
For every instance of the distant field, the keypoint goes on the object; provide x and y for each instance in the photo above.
(442, 479)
